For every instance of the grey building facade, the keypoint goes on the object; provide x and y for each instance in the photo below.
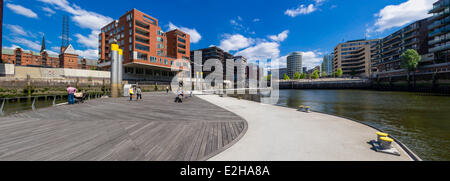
(294, 63)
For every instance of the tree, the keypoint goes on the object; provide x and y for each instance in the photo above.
(353, 73)
(303, 76)
(315, 75)
(296, 76)
(324, 74)
(339, 72)
(410, 60)
(286, 77)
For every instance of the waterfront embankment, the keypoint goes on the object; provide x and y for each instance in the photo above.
(153, 129)
(278, 133)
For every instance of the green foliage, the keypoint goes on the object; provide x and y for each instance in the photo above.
(90, 78)
(339, 73)
(353, 73)
(296, 76)
(410, 59)
(286, 77)
(156, 87)
(324, 74)
(315, 75)
(303, 76)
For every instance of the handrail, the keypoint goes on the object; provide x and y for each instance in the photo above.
(4, 101)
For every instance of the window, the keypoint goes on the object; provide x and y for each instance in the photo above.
(160, 39)
(181, 40)
(139, 71)
(142, 47)
(129, 70)
(131, 48)
(166, 62)
(142, 56)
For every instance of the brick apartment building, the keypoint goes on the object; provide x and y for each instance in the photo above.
(68, 58)
(356, 57)
(148, 52)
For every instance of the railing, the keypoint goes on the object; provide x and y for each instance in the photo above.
(31, 102)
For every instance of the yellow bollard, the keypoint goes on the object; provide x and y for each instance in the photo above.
(386, 142)
(381, 134)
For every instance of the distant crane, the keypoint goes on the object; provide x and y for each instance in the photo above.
(65, 33)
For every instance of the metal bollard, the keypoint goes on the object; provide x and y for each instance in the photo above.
(32, 105)
(386, 143)
(307, 109)
(1, 108)
(380, 135)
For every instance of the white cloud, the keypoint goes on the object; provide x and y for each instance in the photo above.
(256, 20)
(195, 36)
(89, 53)
(84, 19)
(280, 37)
(311, 59)
(302, 9)
(261, 51)
(399, 15)
(49, 11)
(235, 42)
(18, 30)
(14, 46)
(22, 10)
(90, 41)
(34, 45)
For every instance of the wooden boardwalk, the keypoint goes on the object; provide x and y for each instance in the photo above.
(155, 129)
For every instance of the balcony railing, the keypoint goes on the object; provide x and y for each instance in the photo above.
(439, 48)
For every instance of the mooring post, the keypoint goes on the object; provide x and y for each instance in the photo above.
(1, 108)
(32, 105)
(116, 69)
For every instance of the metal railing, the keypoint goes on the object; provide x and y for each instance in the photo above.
(30, 102)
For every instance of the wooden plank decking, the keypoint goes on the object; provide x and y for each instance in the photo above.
(116, 129)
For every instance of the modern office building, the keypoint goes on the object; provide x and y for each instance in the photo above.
(294, 63)
(148, 52)
(305, 69)
(413, 36)
(327, 64)
(355, 57)
(214, 53)
(439, 31)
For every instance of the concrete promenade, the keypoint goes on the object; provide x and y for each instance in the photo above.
(155, 129)
(283, 134)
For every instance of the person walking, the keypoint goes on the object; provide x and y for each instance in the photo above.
(167, 89)
(71, 94)
(138, 93)
(131, 91)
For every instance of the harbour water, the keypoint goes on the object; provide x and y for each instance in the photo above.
(420, 121)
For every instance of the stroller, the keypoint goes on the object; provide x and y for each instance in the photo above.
(79, 97)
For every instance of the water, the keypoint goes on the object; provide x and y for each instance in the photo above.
(420, 121)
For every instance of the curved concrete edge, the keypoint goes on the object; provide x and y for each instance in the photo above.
(408, 151)
(217, 152)
(411, 155)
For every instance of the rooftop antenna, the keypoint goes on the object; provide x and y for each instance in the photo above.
(65, 33)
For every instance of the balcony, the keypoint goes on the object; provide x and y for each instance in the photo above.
(439, 23)
(439, 48)
(440, 6)
(440, 31)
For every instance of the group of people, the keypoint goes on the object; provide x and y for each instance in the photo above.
(135, 90)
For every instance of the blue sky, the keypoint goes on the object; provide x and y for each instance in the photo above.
(257, 29)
